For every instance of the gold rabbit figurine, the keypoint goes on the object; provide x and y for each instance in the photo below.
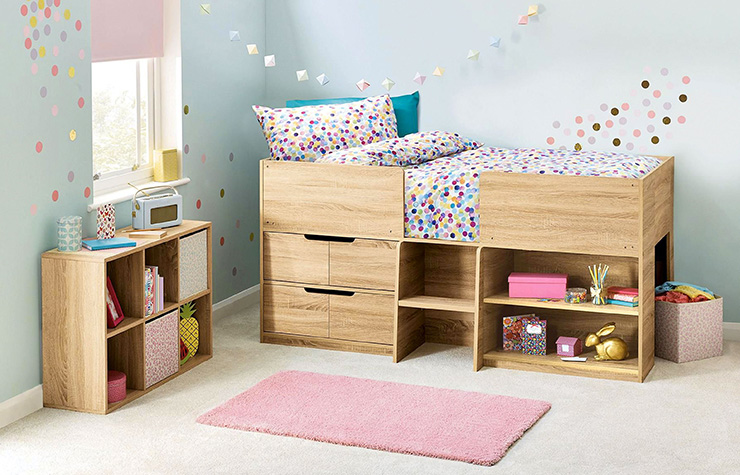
(609, 349)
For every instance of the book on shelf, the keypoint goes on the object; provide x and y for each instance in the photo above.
(623, 297)
(622, 302)
(148, 291)
(623, 290)
(100, 244)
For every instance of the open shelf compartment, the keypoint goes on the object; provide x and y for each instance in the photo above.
(126, 354)
(165, 257)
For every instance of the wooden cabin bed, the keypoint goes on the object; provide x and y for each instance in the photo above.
(338, 273)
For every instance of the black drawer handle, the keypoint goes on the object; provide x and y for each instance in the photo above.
(316, 237)
(344, 293)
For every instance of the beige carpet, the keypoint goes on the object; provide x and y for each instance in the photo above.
(684, 419)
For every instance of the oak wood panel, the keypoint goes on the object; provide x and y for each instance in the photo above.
(551, 363)
(293, 258)
(410, 270)
(494, 267)
(293, 310)
(646, 323)
(438, 303)
(363, 263)
(657, 199)
(204, 316)
(334, 200)
(362, 317)
(328, 344)
(127, 276)
(409, 332)
(504, 299)
(449, 328)
(450, 271)
(408, 324)
(595, 215)
(74, 334)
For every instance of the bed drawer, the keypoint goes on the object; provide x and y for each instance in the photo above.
(363, 263)
(295, 310)
(362, 317)
(295, 258)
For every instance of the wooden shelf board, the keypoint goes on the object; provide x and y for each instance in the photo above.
(131, 394)
(168, 307)
(626, 369)
(126, 324)
(438, 303)
(195, 296)
(504, 299)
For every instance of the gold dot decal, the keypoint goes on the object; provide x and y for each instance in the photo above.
(67, 14)
(617, 142)
(186, 109)
(251, 236)
(615, 111)
(222, 192)
(597, 127)
(683, 98)
(655, 139)
(666, 120)
(645, 84)
(578, 147)
(71, 72)
(73, 135)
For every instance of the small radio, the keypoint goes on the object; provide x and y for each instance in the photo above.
(156, 210)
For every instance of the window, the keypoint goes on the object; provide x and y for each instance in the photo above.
(124, 115)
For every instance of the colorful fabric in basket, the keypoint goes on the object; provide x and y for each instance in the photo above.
(442, 195)
(305, 133)
(413, 149)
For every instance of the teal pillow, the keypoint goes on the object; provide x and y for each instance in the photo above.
(406, 108)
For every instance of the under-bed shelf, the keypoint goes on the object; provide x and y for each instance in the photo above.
(551, 363)
(504, 299)
(429, 302)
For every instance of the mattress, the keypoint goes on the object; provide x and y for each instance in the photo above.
(442, 195)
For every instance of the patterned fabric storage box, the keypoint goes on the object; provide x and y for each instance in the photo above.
(193, 264)
(688, 331)
(162, 347)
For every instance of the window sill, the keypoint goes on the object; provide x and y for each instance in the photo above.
(126, 194)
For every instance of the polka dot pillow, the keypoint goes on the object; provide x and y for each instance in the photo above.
(412, 149)
(305, 133)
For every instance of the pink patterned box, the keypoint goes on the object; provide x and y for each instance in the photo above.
(688, 331)
(537, 286)
(161, 347)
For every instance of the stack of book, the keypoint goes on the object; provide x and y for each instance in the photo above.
(153, 290)
(626, 296)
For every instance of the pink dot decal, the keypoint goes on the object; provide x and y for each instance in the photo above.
(24, 10)
(29, 43)
(669, 85)
(550, 141)
(222, 240)
(82, 54)
(55, 50)
(238, 223)
(625, 107)
(651, 114)
(681, 119)
(34, 210)
(54, 110)
(647, 69)
(609, 124)
(81, 102)
(39, 147)
(656, 93)
(54, 70)
(47, 12)
(636, 132)
(566, 132)
(56, 3)
(197, 204)
(86, 192)
(580, 133)
(685, 79)
(203, 158)
(54, 195)
(668, 135)
(78, 25)
(605, 134)
(591, 117)
(579, 119)
(34, 69)
(71, 176)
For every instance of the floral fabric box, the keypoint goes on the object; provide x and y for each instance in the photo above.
(688, 331)
(534, 337)
(512, 333)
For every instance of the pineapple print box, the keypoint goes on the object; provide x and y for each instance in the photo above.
(189, 333)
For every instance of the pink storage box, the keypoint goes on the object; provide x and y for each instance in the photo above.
(161, 348)
(688, 331)
(116, 386)
(537, 286)
(569, 346)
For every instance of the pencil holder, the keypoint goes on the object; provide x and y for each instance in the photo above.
(69, 233)
(106, 224)
(598, 295)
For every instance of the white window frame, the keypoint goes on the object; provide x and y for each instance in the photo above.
(109, 182)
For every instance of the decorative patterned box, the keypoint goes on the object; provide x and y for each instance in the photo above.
(569, 346)
(534, 337)
(106, 224)
(688, 331)
(69, 233)
(161, 347)
(512, 333)
(116, 386)
(537, 286)
(193, 264)
(166, 165)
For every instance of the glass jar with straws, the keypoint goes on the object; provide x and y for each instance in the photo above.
(598, 289)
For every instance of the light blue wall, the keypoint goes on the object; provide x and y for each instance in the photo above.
(220, 83)
(571, 58)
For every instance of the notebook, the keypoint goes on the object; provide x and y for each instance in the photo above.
(99, 244)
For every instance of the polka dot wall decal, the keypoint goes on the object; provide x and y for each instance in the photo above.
(81, 102)
(78, 25)
(29, 43)
(33, 22)
(596, 126)
(55, 50)
(592, 140)
(39, 147)
(667, 106)
(636, 132)
(609, 124)
(71, 176)
(56, 16)
(651, 114)
(71, 72)
(36, 35)
(651, 128)
(556, 124)
(577, 147)
(630, 146)
(238, 223)
(251, 236)
(625, 107)
(203, 158)
(681, 119)
(34, 210)
(615, 111)
(222, 193)
(579, 119)
(656, 93)
(550, 140)
(41, 4)
(81, 54)
(669, 85)
(186, 109)
(67, 14)
(666, 120)
(221, 241)
(685, 79)
(186, 149)
(47, 12)
(42, 92)
(57, 2)
(645, 84)
(34, 7)
(231, 157)
(42, 52)
(566, 132)
(664, 72)
(54, 195)
(54, 70)
(622, 120)
(73, 135)
(604, 107)
(581, 132)
(197, 204)
(63, 36)
(24, 10)
(668, 135)
(54, 110)
(233, 271)
(616, 142)
(655, 140)
(34, 54)
(86, 192)
(683, 98)
(605, 134)
(622, 132)
(34, 69)
(591, 117)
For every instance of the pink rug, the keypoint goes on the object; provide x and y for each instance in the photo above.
(419, 420)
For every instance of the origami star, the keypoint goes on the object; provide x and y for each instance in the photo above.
(495, 41)
(322, 79)
(388, 84)
(419, 78)
(523, 19)
(438, 71)
(532, 10)
(252, 49)
(473, 55)
(362, 85)
(270, 61)
(205, 8)
(302, 75)
(234, 36)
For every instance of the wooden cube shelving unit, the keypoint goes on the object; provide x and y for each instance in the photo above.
(78, 348)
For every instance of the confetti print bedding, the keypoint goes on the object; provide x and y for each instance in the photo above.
(442, 195)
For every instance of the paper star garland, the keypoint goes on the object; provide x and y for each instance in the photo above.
(419, 78)
(438, 71)
(388, 84)
(322, 79)
(473, 55)
(302, 75)
(362, 85)
(252, 49)
(270, 61)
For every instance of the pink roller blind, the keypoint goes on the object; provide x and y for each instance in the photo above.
(127, 29)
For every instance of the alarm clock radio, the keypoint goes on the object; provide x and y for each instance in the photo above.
(157, 210)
